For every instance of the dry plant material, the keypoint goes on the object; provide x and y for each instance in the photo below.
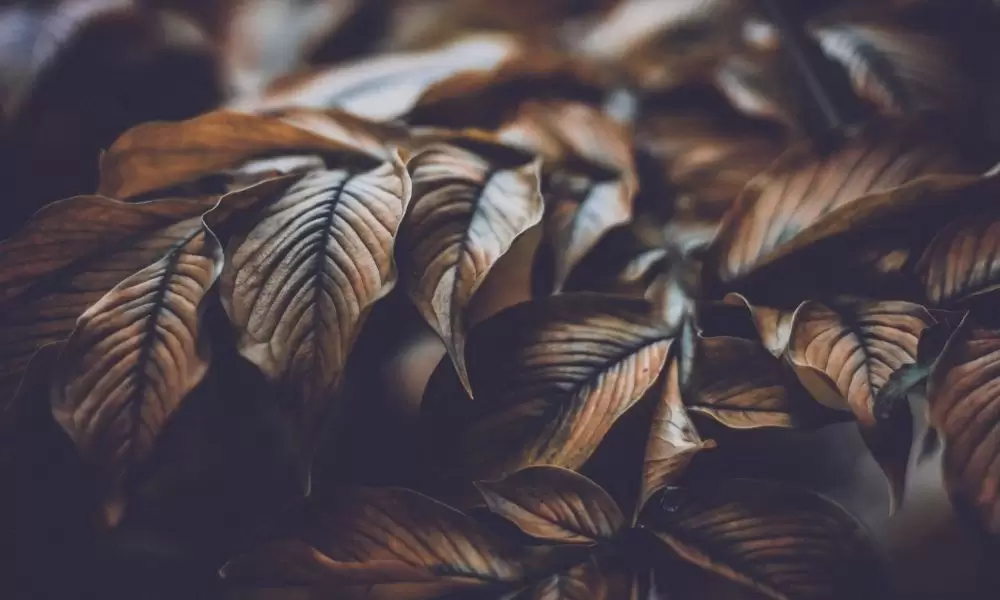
(620, 225)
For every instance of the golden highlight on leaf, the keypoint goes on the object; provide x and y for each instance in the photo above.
(300, 280)
(554, 504)
(469, 205)
(133, 357)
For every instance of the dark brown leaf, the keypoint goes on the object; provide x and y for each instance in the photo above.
(158, 155)
(382, 543)
(301, 279)
(132, 359)
(962, 262)
(844, 353)
(581, 582)
(965, 411)
(774, 325)
(673, 440)
(554, 504)
(469, 205)
(71, 254)
(802, 187)
(743, 386)
(551, 377)
(783, 542)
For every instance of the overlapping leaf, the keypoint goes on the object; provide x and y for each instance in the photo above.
(70, 255)
(470, 202)
(154, 156)
(382, 543)
(965, 410)
(846, 352)
(554, 504)
(581, 582)
(551, 377)
(802, 187)
(782, 542)
(774, 325)
(301, 279)
(133, 357)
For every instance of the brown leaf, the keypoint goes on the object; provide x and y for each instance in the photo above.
(740, 384)
(71, 254)
(554, 504)
(783, 542)
(302, 277)
(844, 353)
(581, 204)
(132, 359)
(381, 543)
(802, 187)
(551, 377)
(774, 325)
(158, 155)
(755, 83)
(962, 262)
(673, 440)
(965, 411)
(584, 581)
(469, 205)
(384, 87)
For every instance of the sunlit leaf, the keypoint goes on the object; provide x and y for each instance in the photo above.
(381, 543)
(783, 542)
(551, 376)
(554, 504)
(157, 155)
(845, 352)
(740, 384)
(469, 205)
(302, 277)
(965, 411)
(133, 357)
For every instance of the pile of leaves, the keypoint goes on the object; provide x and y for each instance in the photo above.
(632, 228)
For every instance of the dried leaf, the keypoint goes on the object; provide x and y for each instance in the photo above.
(783, 542)
(302, 277)
(554, 504)
(846, 352)
(382, 543)
(743, 386)
(581, 582)
(551, 377)
(802, 187)
(384, 87)
(673, 440)
(965, 411)
(962, 262)
(774, 325)
(132, 359)
(581, 205)
(158, 155)
(469, 205)
(71, 254)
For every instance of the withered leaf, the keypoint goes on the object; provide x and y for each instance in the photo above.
(469, 205)
(962, 261)
(592, 182)
(965, 411)
(133, 357)
(584, 581)
(551, 377)
(774, 325)
(743, 386)
(384, 87)
(785, 543)
(554, 504)
(381, 543)
(673, 439)
(802, 186)
(68, 256)
(845, 352)
(301, 279)
(158, 155)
